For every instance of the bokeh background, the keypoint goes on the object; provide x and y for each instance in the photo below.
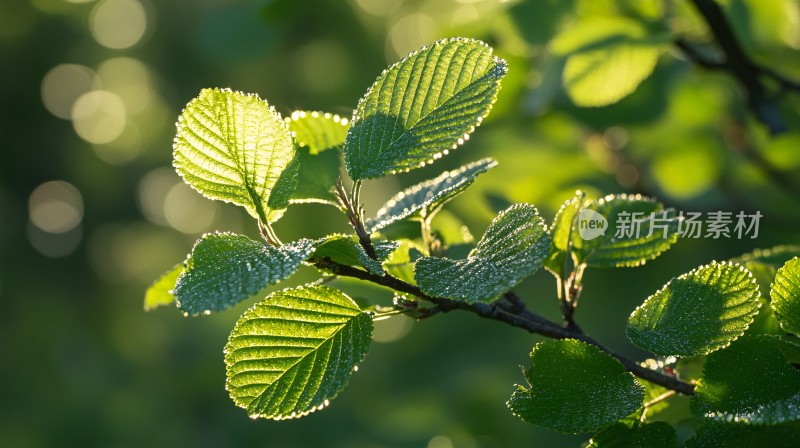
(91, 211)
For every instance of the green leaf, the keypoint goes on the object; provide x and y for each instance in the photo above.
(637, 229)
(574, 387)
(422, 107)
(513, 247)
(785, 296)
(425, 197)
(401, 263)
(630, 433)
(319, 135)
(294, 351)
(160, 292)
(224, 269)
(606, 58)
(319, 131)
(696, 313)
(345, 249)
(764, 263)
(562, 231)
(317, 177)
(234, 147)
(716, 435)
(749, 382)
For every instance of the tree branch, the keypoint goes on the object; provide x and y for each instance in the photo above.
(512, 312)
(740, 66)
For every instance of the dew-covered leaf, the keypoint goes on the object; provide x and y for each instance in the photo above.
(574, 387)
(224, 269)
(345, 249)
(696, 313)
(319, 131)
(606, 58)
(742, 435)
(234, 147)
(764, 263)
(422, 107)
(160, 292)
(630, 433)
(429, 195)
(785, 296)
(622, 230)
(749, 382)
(294, 351)
(513, 247)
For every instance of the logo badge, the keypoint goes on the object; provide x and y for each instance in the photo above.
(591, 224)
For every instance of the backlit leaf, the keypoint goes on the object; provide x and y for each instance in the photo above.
(345, 249)
(513, 247)
(319, 131)
(294, 351)
(160, 292)
(786, 296)
(234, 147)
(696, 313)
(422, 107)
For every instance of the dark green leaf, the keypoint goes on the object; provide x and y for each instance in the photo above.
(562, 231)
(224, 269)
(630, 433)
(160, 292)
(317, 177)
(749, 382)
(422, 107)
(427, 196)
(294, 351)
(729, 435)
(786, 296)
(513, 247)
(696, 313)
(234, 147)
(623, 230)
(574, 387)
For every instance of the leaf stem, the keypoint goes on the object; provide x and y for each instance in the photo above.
(355, 213)
(514, 313)
(268, 233)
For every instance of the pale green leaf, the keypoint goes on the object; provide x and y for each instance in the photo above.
(425, 197)
(401, 263)
(606, 58)
(696, 313)
(345, 249)
(623, 230)
(160, 292)
(513, 247)
(294, 351)
(562, 231)
(749, 382)
(224, 269)
(630, 433)
(319, 131)
(742, 435)
(574, 387)
(786, 296)
(320, 135)
(422, 107)
(234, 147)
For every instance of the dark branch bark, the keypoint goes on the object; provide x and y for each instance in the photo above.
(513, 313)
(739, 65)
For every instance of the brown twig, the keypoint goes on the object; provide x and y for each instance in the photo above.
(514, 313)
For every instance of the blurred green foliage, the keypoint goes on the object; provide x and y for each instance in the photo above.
(91, 92)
